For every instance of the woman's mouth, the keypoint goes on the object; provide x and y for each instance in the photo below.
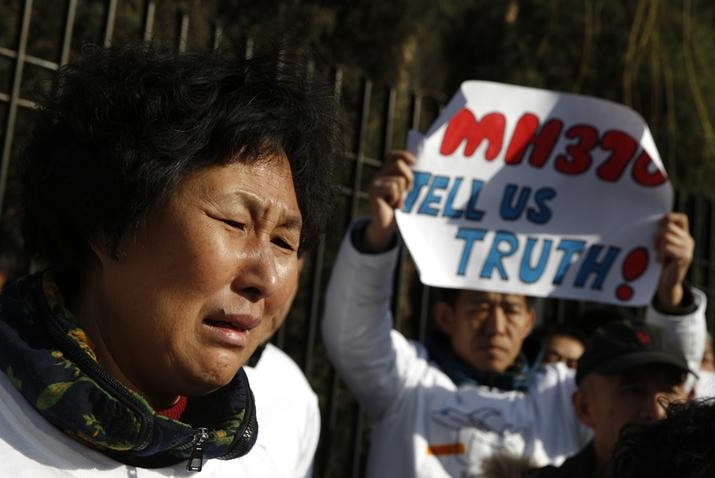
(231, 330)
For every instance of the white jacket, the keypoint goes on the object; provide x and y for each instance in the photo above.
(423, 425)
(288, 421)
(287, 411)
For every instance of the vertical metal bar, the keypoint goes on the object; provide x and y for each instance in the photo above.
(424, 312)
(316, 293)
(109, 20)
(148, 23)
(332, 418)
(329, 418)
(696, 230)
(216, 36)
(338, 84)
(279, 338)
(366, 89)
(707, 288)
(366, 93)
(248, 49)
(388, 116)
(414, 118)
(415, 111)
(701, 273)
(357, 445)
(309, 71)
(388, 119)
(182, 39)
(316, 276)
(280, 60)
(68, 30)
(14, 97)
(680, 201)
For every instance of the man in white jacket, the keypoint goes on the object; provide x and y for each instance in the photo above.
(431, 422)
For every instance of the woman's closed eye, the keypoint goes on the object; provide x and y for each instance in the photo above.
(234, 224)
(284, 243)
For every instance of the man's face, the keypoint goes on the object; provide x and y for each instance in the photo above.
(486, 329)
(562, 348)
(607, 403)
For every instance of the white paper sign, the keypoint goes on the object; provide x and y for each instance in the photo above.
(535, 192)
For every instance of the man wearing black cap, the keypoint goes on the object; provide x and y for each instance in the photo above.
(629, 373)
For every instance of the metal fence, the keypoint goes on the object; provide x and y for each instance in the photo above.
(41, 36)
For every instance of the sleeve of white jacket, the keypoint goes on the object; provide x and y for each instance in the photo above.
(689, 331)
(357, 325)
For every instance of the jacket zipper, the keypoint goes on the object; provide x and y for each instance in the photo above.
(243, 437)
(246, 435)
(196, 460)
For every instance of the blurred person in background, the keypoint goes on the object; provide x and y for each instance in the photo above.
(561, 343)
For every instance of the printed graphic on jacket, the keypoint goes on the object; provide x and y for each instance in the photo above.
(471, 435)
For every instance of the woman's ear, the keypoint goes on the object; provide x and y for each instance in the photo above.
(443, 316)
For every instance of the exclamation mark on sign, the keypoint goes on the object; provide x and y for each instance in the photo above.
(633, 267)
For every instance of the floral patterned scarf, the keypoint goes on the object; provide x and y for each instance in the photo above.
(45, 355)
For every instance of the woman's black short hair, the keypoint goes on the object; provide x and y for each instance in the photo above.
(124, 126)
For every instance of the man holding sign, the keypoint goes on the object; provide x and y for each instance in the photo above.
(429, 414)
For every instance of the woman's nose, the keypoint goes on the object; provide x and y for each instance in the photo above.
(256, 275)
